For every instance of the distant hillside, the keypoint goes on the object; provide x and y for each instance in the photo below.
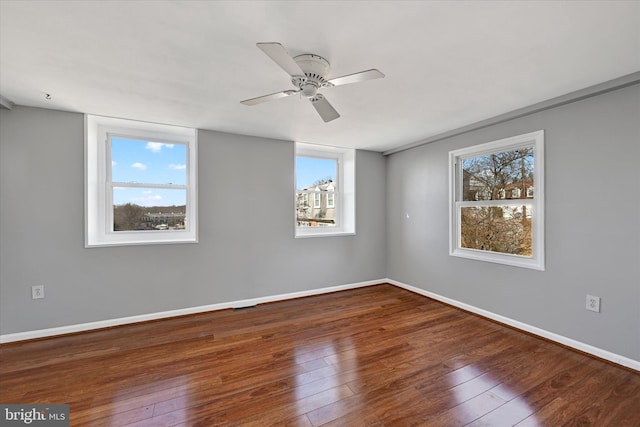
(164, 209)
(153, 209)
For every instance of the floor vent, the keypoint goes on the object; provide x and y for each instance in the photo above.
(243, 308)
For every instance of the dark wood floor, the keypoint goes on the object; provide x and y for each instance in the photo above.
(375, 356)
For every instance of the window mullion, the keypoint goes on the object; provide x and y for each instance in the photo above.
(147, 185)
(496, 202)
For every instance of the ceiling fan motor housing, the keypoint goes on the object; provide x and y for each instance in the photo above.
(316, 69)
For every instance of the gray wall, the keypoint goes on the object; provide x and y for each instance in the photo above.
(592, 233)
(592, 212)
(246, 248)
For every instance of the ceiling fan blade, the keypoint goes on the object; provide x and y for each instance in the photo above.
(280, 56)
(322, 106)
(271, 97)
(356, 77)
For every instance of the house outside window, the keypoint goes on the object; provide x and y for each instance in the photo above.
(325, 176)
(331, 200)
(530, 192)
(484, 225)
(317, 198)
(140, 183)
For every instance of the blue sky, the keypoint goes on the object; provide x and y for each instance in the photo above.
(152, 163)
(310, 170)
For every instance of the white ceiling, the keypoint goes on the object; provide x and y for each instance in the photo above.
(448, 64)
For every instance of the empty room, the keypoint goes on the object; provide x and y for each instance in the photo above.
(319, 213)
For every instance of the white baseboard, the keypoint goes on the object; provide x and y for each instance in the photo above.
(62, 330)
(578, 345)
(586, 348)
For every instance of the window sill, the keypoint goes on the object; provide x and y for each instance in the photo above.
(138, 238)
(494, 257)
(332, 233)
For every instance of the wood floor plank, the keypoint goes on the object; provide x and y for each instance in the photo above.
(466, 412)
(373, 356)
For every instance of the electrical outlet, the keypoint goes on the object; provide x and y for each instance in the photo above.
(593, 303)
(37, 292)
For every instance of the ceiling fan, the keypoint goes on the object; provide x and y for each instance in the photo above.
(309, 73)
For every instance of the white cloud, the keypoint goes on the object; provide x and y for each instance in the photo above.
(157, 146)
(146, 201)
(139, 166)
(114, 163)
(177, 167)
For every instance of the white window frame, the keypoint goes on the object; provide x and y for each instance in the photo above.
(537, 260)
(98, 185)
(344, 191)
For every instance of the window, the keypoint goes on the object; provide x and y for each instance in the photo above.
(328, 175)
(331, 204)
(483, 224)
(140, 183)
(529, 192)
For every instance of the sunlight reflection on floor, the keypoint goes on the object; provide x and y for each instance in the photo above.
(324, 385)
(177, 405)
(483, 399)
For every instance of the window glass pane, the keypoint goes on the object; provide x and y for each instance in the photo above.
(315, 192)
(319, 210)
(311, 171)
(504, 229)
(148, 209)
(505, 175)
(148, 162)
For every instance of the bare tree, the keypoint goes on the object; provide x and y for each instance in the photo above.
(497, 228)
(127, 217)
